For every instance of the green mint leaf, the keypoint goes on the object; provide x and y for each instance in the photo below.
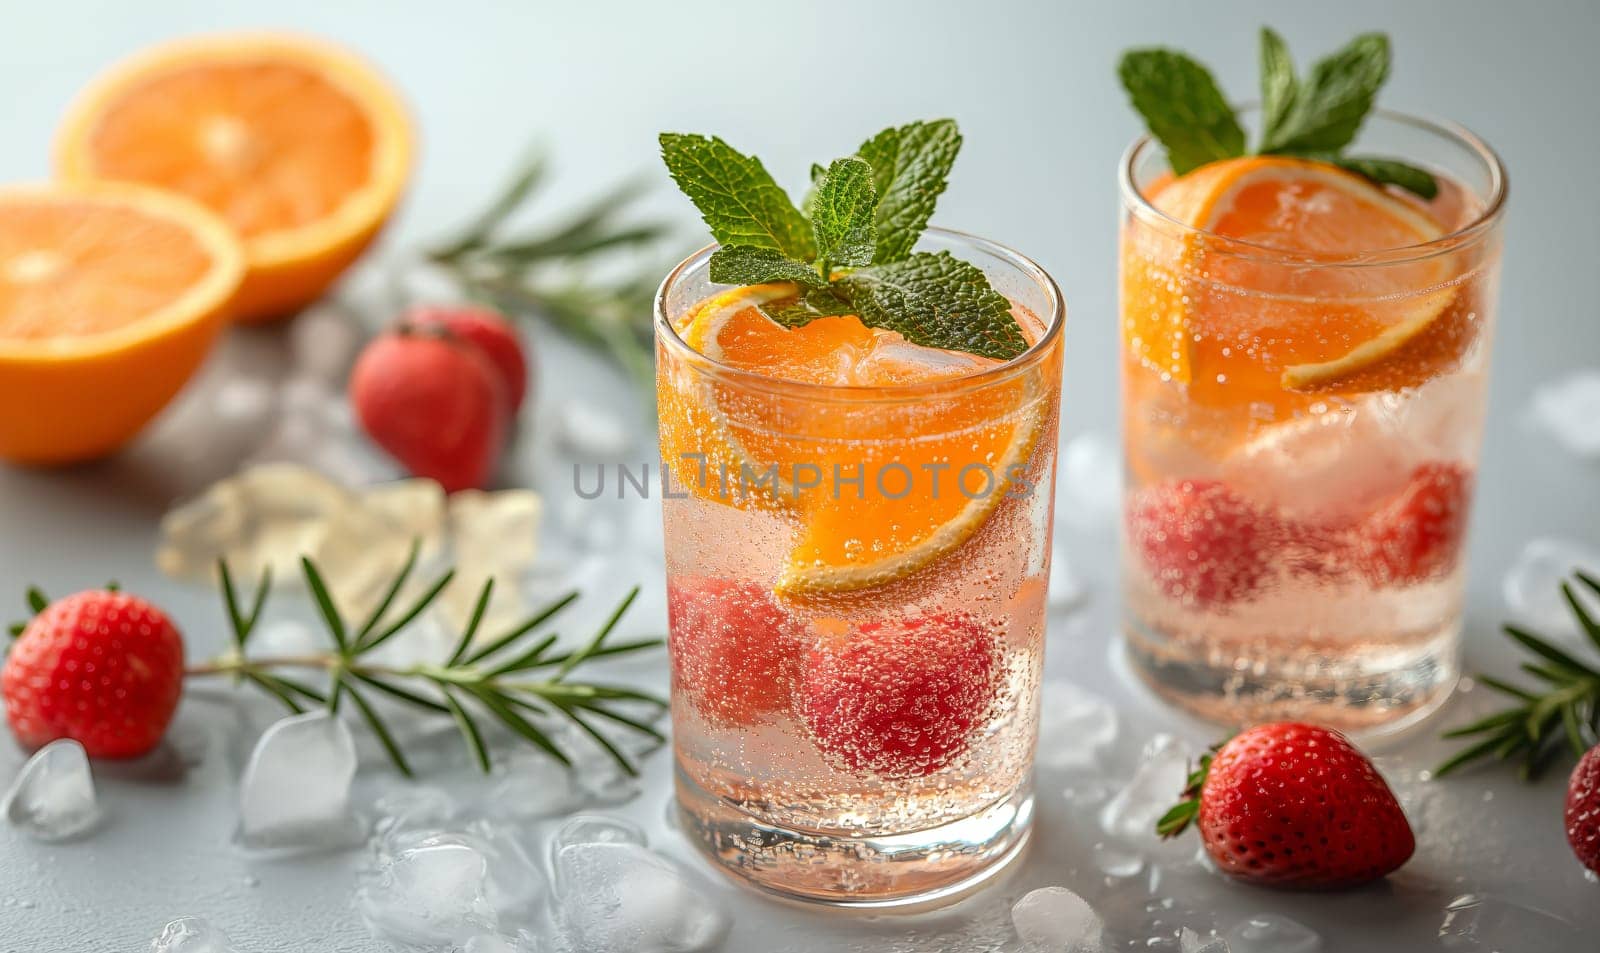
(1279, 88)
(1335, 98)
(1392, 172)
(736, 196)
(809, 200)
(751, 265)
(1182, 107)
(842, 215)
(910, 167)
(815, 303)
(935, 300)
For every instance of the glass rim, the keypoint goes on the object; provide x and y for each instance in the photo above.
(874, 393)
(1486, 219)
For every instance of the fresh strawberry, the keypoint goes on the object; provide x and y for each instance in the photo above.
(735, 652)
(1417, 535)
(1294, 805)
(1205, 545)
(1583, 810)
(102, 668)
(495, 336)
(900, 699)
(434, 402)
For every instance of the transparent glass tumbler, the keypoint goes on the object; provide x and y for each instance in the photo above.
(1301, 432)
(856, 595)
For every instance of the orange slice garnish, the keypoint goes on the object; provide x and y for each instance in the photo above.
(110, 297)
(852, 536)
(1237, 329)
(296, 143)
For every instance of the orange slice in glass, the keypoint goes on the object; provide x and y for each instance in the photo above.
(1238, 325)
(110, 297)
(932, 465)
(296, 143)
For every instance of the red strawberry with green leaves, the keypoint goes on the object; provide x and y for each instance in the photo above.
(434, 402)
(901, 698)
(1294, 805)
(1202, 542)
(1583, 810)
(489, 330)
(100, 667)
(735, 651)
(1417, 535)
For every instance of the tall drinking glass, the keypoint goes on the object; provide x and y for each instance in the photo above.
(857, 549)
(1302, 426)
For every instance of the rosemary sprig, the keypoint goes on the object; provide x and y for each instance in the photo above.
(550, 272)
(1561, 714)
(513, 674)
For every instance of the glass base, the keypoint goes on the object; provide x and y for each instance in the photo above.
(1366, 693)
(924, 868)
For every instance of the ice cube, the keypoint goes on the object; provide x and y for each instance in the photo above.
(492, 535)
(267, 515)
(323, 341)
(1272, 933)
(891, 358)
(1477, 922)
(491, 943)
(1117, 862)
(1075, 725)
(1056, 920)
(591, 432)
(1089, 484)
(1569, 411)
(620, 898)
(1132, 813)
(190, 935)
(431, 894)
(1066, 589)
(595, 829)
(534, 789)
(1532, 587)
(53, 797)
(296, 788)
(1191, 942)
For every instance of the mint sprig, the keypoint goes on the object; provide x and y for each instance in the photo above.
(1315, 118)
(849, 245)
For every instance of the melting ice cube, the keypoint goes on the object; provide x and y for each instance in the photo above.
(1066, 589)
(1191, 942)
(1474, 922)
(53, 796)
(1089, 484)
(1272, 933)
(1532, 587)
(595, 829)
(296, 788)
(1056, 920)
(430, 894)
(190, 935)
(620, 898)
(591, 432)
(1075, 725)
(1132, 813)
(1569, 411)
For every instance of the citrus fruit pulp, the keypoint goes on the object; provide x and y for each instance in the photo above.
(110, 297)
(881, 481)
(298, 145)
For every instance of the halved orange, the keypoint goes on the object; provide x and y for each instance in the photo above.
(1210, 312)
(877, 487)
(110, 297)
(297, 144)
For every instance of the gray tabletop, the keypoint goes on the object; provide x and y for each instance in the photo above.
(1032, 87)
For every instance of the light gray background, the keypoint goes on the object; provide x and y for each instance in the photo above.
(1032, 85)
